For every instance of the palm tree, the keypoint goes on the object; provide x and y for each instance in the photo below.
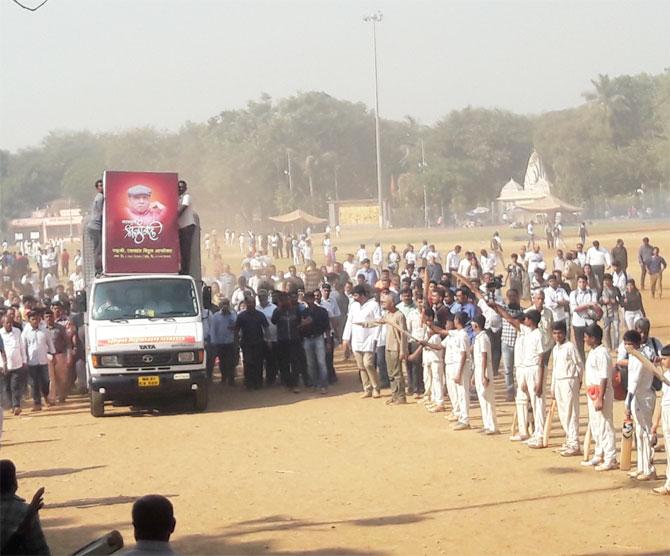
(613, 104)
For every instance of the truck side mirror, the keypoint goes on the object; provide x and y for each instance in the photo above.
(80, 300)
(206, 296)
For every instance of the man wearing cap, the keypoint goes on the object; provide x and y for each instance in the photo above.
(140, 208)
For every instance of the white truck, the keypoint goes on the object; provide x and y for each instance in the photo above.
(144, 334)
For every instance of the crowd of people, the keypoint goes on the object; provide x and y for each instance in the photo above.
(438, 328)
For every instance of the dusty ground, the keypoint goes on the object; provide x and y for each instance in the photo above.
(270, 471)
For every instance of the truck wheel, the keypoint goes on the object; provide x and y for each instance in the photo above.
(200, 403)
(97, 404)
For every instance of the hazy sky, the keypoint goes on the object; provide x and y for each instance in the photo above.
(113, 64)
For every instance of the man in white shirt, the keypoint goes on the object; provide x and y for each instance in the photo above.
(361, 254)
(530, 232)
(361, 340)
(349, 266)
(15, 362)
(410, 256)
(581, 255)
(556, 299)
(423, 251)
(454, 259)
(39, 350)
(600, 400)
(599, 258)
(378, 257)
(583, 308)
(535, 260)
(186, 221)
(265, 306)
(566, 380)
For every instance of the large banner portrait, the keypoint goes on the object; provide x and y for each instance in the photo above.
(140, 232)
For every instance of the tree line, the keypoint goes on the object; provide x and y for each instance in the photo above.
(613, 146)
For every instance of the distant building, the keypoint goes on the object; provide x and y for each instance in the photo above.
(59, 220)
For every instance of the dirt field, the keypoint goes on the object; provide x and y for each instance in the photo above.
(270, 471)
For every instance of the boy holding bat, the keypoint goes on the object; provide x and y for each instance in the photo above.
(640, 403)
(664, 415)
(566, 380)
(600, 400)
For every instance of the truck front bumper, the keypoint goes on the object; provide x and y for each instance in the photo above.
(130, 386)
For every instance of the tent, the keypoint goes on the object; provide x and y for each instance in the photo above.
(548, 204)
(297, 217)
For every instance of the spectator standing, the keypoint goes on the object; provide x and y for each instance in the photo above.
(39, 350)
(252, 325)
(222, 337)
(186, 221)
(15, 363)
(643, 256)
(94, 225)
(655, 267)
(362, 340)
(619, 255)
(313, 327)
(58, 372)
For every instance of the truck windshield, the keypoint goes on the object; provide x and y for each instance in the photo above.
(141, 299)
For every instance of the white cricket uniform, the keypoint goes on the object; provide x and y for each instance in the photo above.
(528, 374)
(665, 408)
(486, 394)
(599, 367)
(641, 400)
(455, 343)
(567, 370)
(463, 389)
(433, 372)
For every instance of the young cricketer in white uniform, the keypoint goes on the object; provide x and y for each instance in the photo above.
(664, 416)
(433, 367)
(451, 364)
(600, 400)
(640, 403)
(463, 371)
(483, 375)
(566, 380)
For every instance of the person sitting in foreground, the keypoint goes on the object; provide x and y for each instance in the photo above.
(154, 522)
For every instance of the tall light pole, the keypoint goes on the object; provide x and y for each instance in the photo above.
(374, 19)
(288, 170)
(422, 167)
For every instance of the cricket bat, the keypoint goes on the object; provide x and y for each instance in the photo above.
(626, 445)
(547, 423)
(648, 365)
(587, 443)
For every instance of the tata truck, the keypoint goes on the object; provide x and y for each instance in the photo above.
(144, 330)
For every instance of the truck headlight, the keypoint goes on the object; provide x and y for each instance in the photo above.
(110, 361)
(186, 357)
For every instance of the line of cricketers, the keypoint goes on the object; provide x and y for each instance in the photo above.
(457, 355)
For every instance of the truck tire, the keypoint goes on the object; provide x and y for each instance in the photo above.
(97, 404)
(201, 398)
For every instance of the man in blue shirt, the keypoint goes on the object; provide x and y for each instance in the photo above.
(463, 304)
(370, 274)
(222, 336)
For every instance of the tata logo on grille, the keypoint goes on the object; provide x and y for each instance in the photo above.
(148, 358)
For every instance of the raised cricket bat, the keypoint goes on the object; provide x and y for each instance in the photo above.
(626, 445)
(648, 365)
(587, 443)
(547, 423)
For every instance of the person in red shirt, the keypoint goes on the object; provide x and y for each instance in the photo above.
(65, 263)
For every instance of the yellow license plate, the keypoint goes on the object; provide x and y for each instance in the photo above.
(147, 381)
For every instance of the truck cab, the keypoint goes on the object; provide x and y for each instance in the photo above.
(145, 340)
